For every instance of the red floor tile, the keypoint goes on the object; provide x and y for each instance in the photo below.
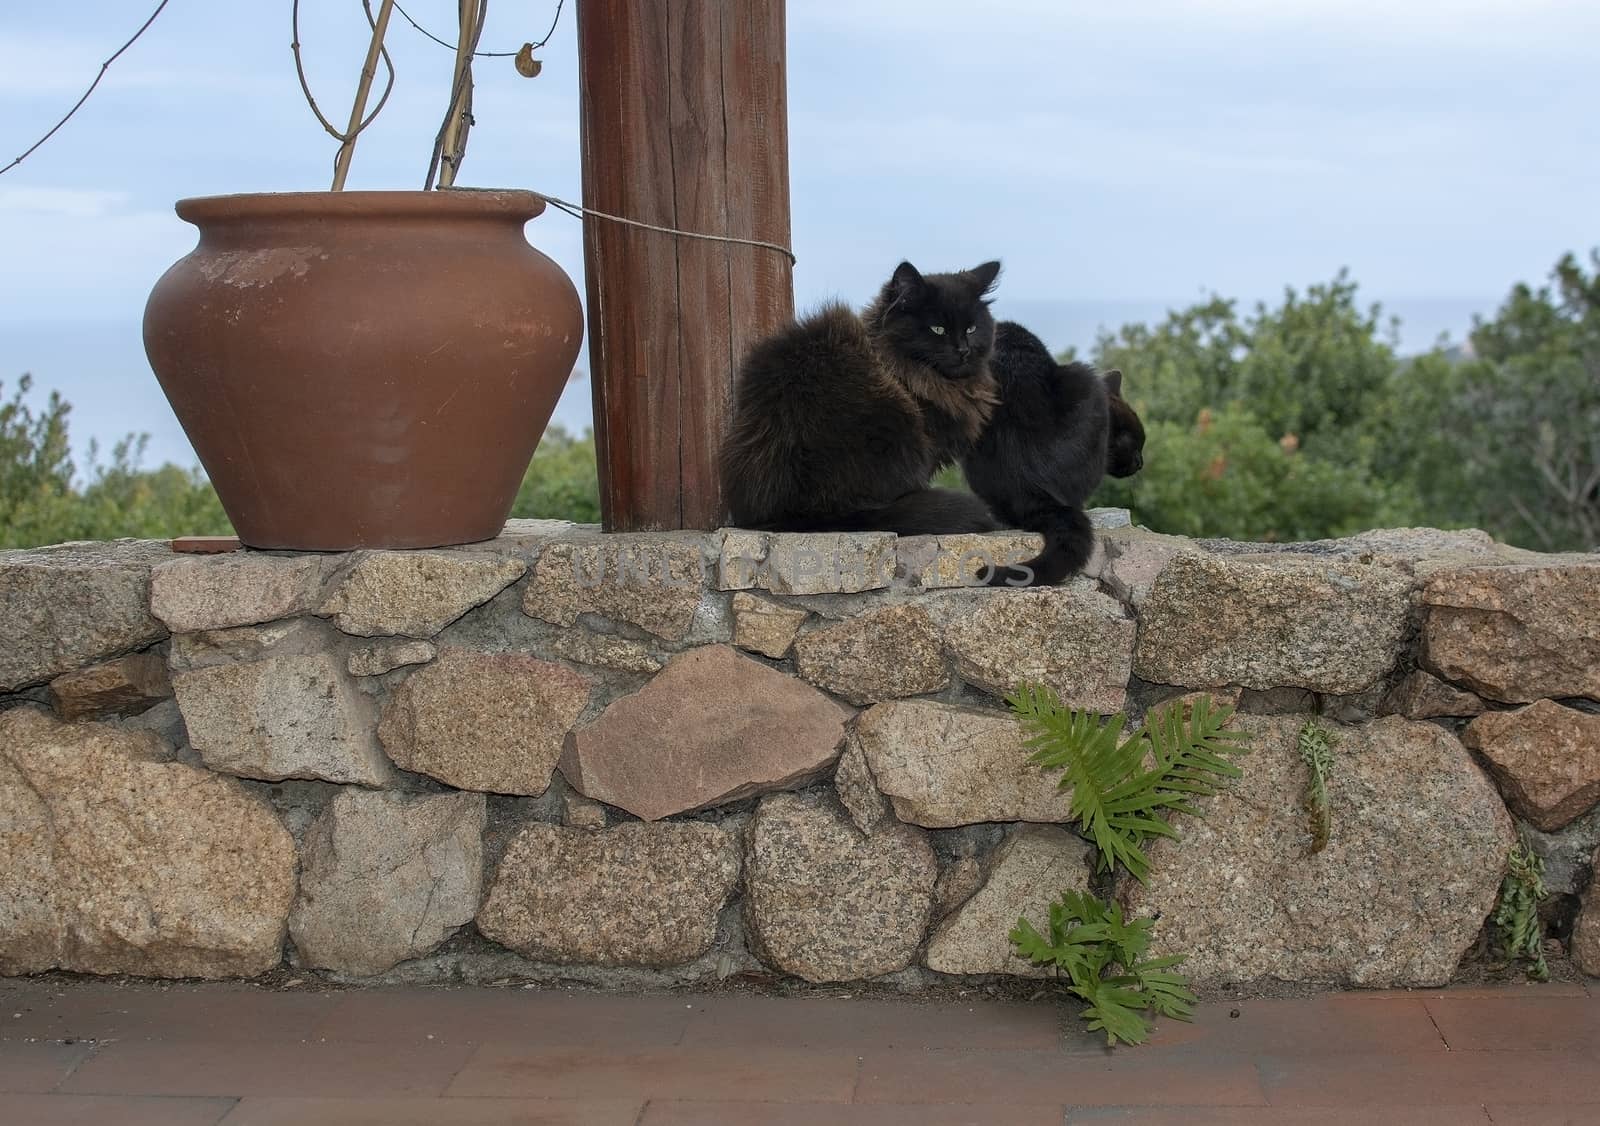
(1045, 1077)
(223, 1012)
(1522, 1022)
(377, 1111)
(1315, 1025)
(1424, 1079)
(750, 1073)
(859, 1024)
(181, 1054)
(36, 1068)
(1458, 1115)
(692, 1113)
(110, 1110)
(1503, 1115)
(512, 1016)
(331, 1070)
(1516, 988)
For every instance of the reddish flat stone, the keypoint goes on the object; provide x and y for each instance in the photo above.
(714, 726)
(1546, 758)
(1517, 633)
(205, 545)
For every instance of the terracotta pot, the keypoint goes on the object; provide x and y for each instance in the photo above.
(364, 369)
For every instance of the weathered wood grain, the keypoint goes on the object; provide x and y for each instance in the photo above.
(684, 124)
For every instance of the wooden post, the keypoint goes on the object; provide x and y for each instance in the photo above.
(685, 125)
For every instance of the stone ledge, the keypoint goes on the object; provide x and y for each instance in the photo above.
(830, 785)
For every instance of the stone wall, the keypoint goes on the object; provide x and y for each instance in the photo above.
(661, 759)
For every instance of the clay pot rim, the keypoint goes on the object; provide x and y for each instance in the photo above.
(467, 203)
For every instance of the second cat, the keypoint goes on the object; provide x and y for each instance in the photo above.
(1056, 432)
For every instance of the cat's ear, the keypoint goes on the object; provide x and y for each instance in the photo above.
(907, 280)
(985, 276)
(1113, 379)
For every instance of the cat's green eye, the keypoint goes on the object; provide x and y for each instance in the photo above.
(938, 330)
(971, 329)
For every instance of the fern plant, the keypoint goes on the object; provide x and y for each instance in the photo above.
(1087, 938)
(1123, 792)
(1516, 916)
(1316, 749)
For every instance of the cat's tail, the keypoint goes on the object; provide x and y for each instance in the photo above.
(921, 512)
(1068, 543)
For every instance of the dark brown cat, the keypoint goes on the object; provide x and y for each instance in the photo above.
(840, 420)
(1059, 429)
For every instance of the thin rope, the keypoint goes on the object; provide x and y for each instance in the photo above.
(105, 66)
(483, 54)
(578, 211)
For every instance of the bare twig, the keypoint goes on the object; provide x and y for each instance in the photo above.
(459, 120)
(105, 66)
(305, 87)
(460, 109)
(369, 69)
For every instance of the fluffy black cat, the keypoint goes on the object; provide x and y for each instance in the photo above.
(839, 421)
(1057, 431)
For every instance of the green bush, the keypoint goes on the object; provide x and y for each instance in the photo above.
(562, 482)
(42, 502)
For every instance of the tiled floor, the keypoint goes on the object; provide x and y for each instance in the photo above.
(81, 1051)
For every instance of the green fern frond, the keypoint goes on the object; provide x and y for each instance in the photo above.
(1516, 916)
(1090, 937)
(1168, 992)
(1115, 1011)
(1123, 790)
(1032, 945)
(1316, 748)
(1119, 802)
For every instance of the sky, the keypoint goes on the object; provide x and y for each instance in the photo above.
(1119, 160)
